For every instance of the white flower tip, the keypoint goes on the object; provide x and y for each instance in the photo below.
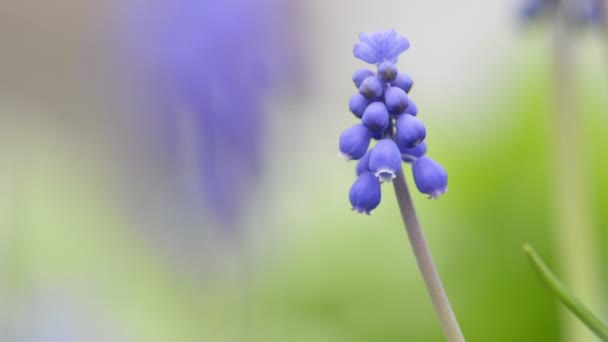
(436, 194)
(361, 210)
(385, 175)
(344, 156)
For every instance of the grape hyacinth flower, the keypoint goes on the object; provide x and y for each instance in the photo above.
(409, 155)
(430, 177)
(388, 115)
(385, 160)
(365, 193)
(410, 131)
(354, 142)
(215, 74)
(376, 117)
(396, 100)
(403, 81)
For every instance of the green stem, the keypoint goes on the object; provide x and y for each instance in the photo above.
(573, 219)
(444, 311)
(566, 297)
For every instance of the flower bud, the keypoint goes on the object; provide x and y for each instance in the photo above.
(385, 160)
(361, 75)
(376, 117)
(411, 109)
(363, 163)
(354, 142)
(410, 131)
(430, 177)
(365, 193)
(409, 155)
(396, 100)
(403, 81)
(387, 71)
(357, 104)
(371, 87)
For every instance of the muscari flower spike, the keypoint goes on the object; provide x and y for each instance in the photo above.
(586, 12)
(388, 115)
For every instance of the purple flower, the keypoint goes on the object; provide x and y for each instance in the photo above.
(593, 11)
(385, 160)
(363, 163)
(387, 71)
(387, 114)
(365, 193)
(411, 108)
(361, 75)
(409, 155)
(396, 100)
(410, 131)
(430, 177)
(357, 104)
(377, 47)
(403, 81)
(371, 87)
(214, 63)
(376, 117)
(354, 142)
(582, 12)
(532, 9)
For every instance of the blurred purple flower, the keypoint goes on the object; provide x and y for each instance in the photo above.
(582, 13)
(217, 61)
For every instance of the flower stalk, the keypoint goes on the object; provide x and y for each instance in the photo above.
(432, 281)
(388, 115)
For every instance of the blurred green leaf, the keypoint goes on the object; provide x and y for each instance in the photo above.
(568, 299)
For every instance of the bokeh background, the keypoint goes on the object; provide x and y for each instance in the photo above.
(107, 232)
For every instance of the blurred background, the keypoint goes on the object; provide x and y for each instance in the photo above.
(168, 171)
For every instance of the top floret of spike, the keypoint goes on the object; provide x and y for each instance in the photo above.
(381, 46)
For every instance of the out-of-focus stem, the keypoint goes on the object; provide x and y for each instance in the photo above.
(565, 296)
(575, 239)
(442, 306)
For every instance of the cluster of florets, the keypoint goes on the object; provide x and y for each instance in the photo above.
(584, 11)
(387, 115)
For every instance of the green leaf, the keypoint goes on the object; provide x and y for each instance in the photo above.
(566, 297)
